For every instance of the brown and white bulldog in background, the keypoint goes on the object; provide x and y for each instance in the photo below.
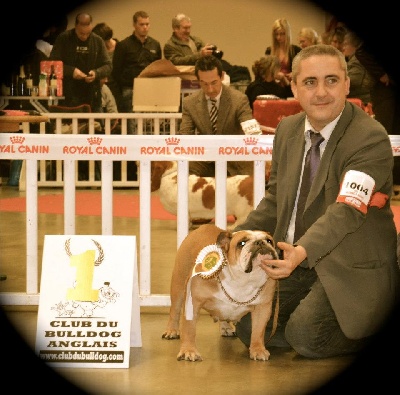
(219, 271)
(239, 193)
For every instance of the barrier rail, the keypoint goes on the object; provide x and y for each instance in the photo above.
(68, 149)
(141, 148)
(146, 124)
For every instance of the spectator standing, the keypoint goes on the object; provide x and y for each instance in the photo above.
(85, 61)
(182, 48)
(330, 27)
(337, 37)
(268, 80)
(282, 45)
(385, 99)
(338, 279)
(232, 108)
(308, 36)
(360, 79)
(106, 33)
(131, 56)
(42, 48)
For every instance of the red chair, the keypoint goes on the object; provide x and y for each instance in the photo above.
(269, 113)
(358, 102)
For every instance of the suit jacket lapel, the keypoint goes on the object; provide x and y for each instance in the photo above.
(330, 149)
(204, 115)
(294, 163)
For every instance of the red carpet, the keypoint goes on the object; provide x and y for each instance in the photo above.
(89, 203)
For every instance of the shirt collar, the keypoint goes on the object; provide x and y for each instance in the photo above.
(325, 132)
(216, 97)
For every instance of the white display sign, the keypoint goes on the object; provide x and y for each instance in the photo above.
(89, 313)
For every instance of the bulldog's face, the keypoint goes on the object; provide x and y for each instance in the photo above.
(247, 248)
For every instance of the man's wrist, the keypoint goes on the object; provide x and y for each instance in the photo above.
(301, 251)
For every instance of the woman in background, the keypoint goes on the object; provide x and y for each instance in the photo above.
(282, 46)
(308, 36)
(268, 80)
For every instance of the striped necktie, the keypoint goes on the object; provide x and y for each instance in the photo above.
(214, 115)
(311, 164)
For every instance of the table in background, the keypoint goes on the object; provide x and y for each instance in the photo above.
(33, 100)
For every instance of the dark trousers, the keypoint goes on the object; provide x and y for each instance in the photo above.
(306, 321)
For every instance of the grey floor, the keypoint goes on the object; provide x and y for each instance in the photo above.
(153, 369)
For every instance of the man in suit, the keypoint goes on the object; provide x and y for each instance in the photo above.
(232, 109)
(338, 280)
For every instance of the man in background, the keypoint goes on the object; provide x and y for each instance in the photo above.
(232, 108)
(131, 56)
(182, 48)
(385, 98)
(85, 61)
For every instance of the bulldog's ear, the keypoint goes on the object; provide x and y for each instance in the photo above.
(224, 239)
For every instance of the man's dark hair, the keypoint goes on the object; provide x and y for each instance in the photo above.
(104, 31)
(208, 63)
(140, 14)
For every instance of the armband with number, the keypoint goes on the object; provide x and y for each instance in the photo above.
(356, 190)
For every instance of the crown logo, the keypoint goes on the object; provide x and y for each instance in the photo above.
(17, 139)
(94, 140)
(250, 141)
(172, 140)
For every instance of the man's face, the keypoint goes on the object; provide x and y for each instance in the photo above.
(142, 27)
(183, 31)
(321, 88)
(83, 31)
(210, 82)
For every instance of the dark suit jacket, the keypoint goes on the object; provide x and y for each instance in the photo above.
(354, 254)
(233, 108)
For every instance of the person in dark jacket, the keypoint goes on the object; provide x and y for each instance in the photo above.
(131, 56)
(85, 63)
(385, 98)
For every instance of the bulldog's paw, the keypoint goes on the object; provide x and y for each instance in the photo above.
(227, 329)
(259, 353)
(189, 355)
(170, 335)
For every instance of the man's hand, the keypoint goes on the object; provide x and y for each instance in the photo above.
(78, 74)
(91, 76)
(282, 268)
(207, 50)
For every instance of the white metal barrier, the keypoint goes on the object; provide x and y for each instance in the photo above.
(68, 149)
(146, 124)
(34, 148)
